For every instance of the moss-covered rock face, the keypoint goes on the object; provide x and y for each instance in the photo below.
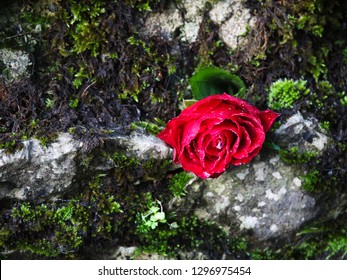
(102, 70)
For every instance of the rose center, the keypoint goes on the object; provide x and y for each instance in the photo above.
(219, 143)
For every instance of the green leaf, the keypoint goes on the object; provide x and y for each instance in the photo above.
(159, 216)
(212, 80)
(189, 102)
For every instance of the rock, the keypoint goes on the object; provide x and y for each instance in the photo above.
(268, 200)
(15, 63)
(144, 146)
(123, 253)
(172, 20)
(305, 134)
(186, 19)
(35, 170)
(165, 23)
(234, 20)
(263, 198)
(46, 172)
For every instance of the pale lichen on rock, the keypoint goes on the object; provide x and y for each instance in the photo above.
(186, 18)
(16, 64)
(264, 196)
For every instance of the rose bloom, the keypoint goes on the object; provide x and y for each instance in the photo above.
(215, 132)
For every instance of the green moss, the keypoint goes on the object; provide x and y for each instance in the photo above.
(150, 127)
(51, 230)
(129, 169)
(125, 167)
(284, 93)
(9, 146)
(142, 5)
(85, 20)
(185, 234)
(149, 220)
(154, 169)
(263, 254)
(178, 183)
(294, 156)
(312, 182)
(326, 125)
(324, 241)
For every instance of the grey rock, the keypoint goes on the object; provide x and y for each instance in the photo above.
(234, 20)
(167, 23)
(126, 253)
(265, 196)
(304, 133)
(143, 146)
(267, 200)
(46, 172)
(123, 253)
(35, 170)
(16, 64)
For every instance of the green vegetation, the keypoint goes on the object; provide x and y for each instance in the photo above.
(186, 234)
(151, 127)
(152, 217)
(284, 93)
(313, 182)
(178, 183)
(85, 26)
(142, 5)
(212, 80)
(321, 241)
(60, 228)
(294, 156)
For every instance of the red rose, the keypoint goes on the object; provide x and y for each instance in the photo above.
(215, 132)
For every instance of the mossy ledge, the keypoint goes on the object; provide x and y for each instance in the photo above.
(104, 207)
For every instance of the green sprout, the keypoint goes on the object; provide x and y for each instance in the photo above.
(150, 219)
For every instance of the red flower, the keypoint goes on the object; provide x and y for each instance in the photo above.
(215, 132)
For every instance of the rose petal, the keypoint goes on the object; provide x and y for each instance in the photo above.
(202, 107)
(191, 162)
(256, 134)
(245, 160)
(245, 142)
(267, 118)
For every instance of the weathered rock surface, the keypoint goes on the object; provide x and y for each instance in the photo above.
(265, 197)
(186, 18)
(306, 134)
(46, 172)
(234, 21)
(15, 64)
(35, 169)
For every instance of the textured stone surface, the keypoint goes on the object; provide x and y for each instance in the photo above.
(265, 196)
(37, 171)
(304, 133)
(234, 20)
(186, 18)
(143, 146)
(16, 64)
